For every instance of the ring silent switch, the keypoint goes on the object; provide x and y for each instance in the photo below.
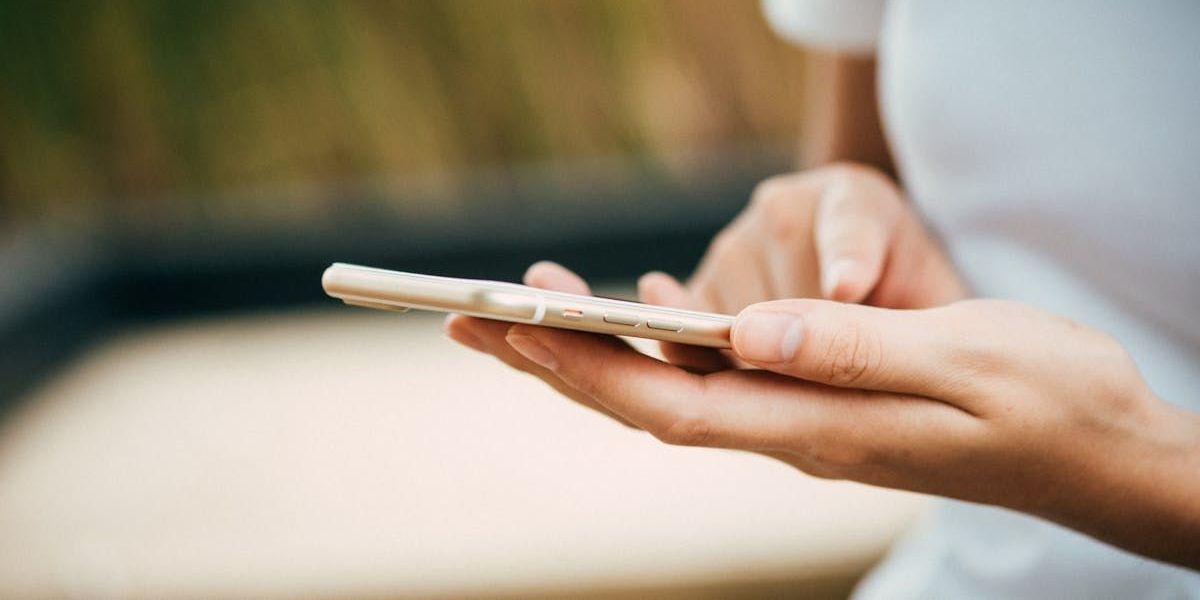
(665, 325)
(621, 319)
(572, 314)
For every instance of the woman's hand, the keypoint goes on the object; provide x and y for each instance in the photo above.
(985, 401)
(842, 232)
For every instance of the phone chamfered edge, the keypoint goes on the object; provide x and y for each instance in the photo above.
(396, 290)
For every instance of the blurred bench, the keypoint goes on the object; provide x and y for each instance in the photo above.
(347, 453)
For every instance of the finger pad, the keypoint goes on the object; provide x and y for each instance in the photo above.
(663, 290)
(553, 276)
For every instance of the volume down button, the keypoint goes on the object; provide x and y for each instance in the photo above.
(665, 325)
(622, 319)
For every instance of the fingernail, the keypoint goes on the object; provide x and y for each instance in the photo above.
(530, 348)
(834, 274)
(769, 337)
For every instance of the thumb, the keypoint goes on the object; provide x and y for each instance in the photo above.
(848, 345)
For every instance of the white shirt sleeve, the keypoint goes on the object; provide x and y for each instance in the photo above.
(839, 25)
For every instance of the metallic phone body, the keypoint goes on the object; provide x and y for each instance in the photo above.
(394, 290)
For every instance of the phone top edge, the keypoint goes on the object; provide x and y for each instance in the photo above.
(396, 290)
(336, 288)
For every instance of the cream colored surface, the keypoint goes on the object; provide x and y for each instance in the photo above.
(351, 452)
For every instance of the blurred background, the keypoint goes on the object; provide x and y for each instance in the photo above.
(186, 415)
(166, 146)
(135, 112)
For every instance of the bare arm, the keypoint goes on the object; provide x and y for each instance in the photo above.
(842, 119)
(981, 400)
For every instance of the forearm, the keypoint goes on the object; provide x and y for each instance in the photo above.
(843, 121)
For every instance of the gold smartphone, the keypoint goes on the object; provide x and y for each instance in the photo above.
(394, 290)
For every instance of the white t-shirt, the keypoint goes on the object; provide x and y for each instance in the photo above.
(1055, 147)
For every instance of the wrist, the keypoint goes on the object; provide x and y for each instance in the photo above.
(1147, 478)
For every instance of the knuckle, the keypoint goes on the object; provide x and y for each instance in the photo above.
(690, 429)
(1120, 370)
(723, 243)
(977, 349)
(865, 184)
(1107, 349)
(846, 456)
(770, 191)
(846, 170)
(981, 360)
(777, 206)
(786, 222)
(850, 356)
(855, 170)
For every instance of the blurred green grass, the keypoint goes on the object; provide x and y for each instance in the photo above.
(110, 108)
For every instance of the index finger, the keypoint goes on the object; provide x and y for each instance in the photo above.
(663, 290)
(750, 410)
